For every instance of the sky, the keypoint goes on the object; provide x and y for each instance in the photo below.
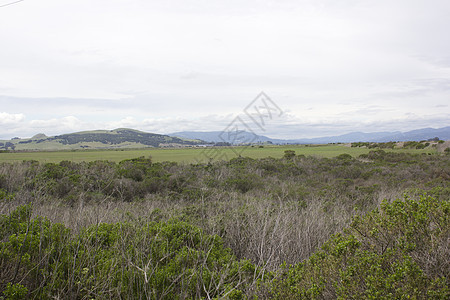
(162, 66)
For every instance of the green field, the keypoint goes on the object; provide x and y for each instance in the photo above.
(188, 155)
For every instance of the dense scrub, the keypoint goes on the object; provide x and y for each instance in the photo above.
(242, 228)
(391, 145)
(131, 259)
(398, 251)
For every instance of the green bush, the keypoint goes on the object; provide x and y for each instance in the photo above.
(15, 291)
(151, 260)
(242, 182)
(399, 251)
(136, 168)
(289, 154)
(344, 156)
(29, 249)
(5, 196)
(157, 260)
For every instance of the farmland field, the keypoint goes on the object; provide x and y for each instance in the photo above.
(188, 155)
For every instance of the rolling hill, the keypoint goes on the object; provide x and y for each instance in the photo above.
(98, 139)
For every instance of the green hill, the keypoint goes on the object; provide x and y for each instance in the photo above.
(98, 139)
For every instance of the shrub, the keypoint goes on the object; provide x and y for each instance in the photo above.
(152, 260)
(15, 291)
(5, 196)
(344, 156)
(399, 251)
(242, 182)
(30, 249)
(289, 154)
(136, 168)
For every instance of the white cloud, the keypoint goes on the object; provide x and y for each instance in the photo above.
(24, 129)
(11, 119)
(61, 124)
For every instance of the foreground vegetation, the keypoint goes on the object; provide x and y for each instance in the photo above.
(192, 155)
(371, 227)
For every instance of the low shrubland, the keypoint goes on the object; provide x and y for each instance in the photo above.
(295, 227)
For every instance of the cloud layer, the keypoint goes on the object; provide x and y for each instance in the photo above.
(79, 64)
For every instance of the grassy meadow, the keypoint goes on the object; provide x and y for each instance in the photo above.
(189, 155)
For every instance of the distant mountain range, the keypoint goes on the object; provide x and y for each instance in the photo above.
(243, 137)
(239, 137)
(98, 139)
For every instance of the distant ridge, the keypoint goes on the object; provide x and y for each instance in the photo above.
(218, 137)
(413, 135)
(97, 139)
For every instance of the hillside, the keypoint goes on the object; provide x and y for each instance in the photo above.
(98, 139)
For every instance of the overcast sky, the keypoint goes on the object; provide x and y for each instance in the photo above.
(332, 66)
